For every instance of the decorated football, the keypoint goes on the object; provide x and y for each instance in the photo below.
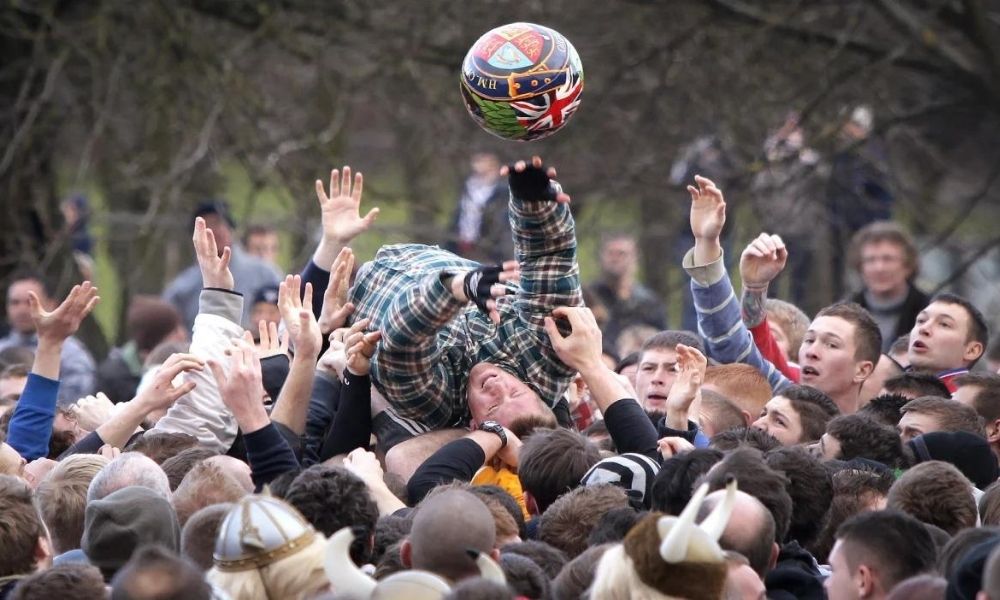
(522, 81)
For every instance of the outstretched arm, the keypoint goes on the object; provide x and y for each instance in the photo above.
(763, 260)
(719, 320)
(342, 222)
(31, 424)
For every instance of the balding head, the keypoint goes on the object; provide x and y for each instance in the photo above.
(750, 530)
(445, 526)
(129, 469)
(235, 467)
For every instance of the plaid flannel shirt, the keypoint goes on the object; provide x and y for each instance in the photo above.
(430, 341)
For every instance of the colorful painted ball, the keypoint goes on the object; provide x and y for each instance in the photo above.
(522, 81)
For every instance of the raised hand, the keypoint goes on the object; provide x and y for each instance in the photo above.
(484, 285)
(336, 308)
(214, 264)
(241, 386)
(691, 365)
(708, 209)
(93, 411)
(582, 348)
(61, 323)
(672, 446)
(162, 393)
(334, 360)
(762, 260)
(299, 320)
(271, 343)
(359, 348)
(531, 182)
(340, 209)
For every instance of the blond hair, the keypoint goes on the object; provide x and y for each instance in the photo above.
(62, 498)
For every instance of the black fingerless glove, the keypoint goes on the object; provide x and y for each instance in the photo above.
(477, 284)
(532, 184)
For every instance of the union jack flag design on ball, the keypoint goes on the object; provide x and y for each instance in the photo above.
(522, 81)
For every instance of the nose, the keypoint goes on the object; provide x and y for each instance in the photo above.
(760, 423)
(810, 350)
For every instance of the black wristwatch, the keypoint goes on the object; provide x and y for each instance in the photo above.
(497, 428)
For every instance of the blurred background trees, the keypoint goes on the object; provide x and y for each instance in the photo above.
(148, 107)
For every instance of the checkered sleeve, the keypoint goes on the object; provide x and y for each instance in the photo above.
(416, 377)
(545, 244)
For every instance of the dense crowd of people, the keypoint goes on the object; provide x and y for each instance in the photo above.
(426, 425)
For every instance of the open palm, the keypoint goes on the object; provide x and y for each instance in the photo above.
(341, 208)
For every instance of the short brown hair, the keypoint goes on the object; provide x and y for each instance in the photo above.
(950, 414)
(916, 384)
(855, 490)
(867, 336)
(205, 485)
(815, 409)
(720, 413)
(792, 321)
(552, 462)
(987, 400)
(160, 446)
(862, 437)
(742, 384)
(20, 527)
(180, 464)
(199, 533)
(65, 581)
(885, 231)
(810, 488)
(668, 340)
(62, 498)
(567, 523)
(760, 481)
(149, 321)
(935, 492)
(989, 505)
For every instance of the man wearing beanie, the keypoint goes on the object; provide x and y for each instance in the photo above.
(970, 453)
(119, 523)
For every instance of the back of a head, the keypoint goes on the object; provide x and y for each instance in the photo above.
(574, 579)
(199, 534)
(916, 384)
(969, 453)
(155, 573)
(991, 575)
(552, 462)
(894, 544)
(568, 522)
(967, 578)
(129, 469)
(549, 558)
(863, 437)
(742, 384)
(987, 397)
(958, 546)
(149, 321)
(478, 588)
(885, 408)
(758, 480)
(445, 527)
(70, 581)
(810, 487)
(332, 498)
(867, 336)
(122, 522)
(20, 527)
(921, 587)
(719, 413)
(792, 321)
(750, 530)
(205, 485)
(674, 484)
(62, 498)
(937, 493)
(179, 465)
(524, 577)
(751, 437)
(159, 445)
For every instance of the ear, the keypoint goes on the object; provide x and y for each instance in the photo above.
(973, 350)
(406, 554)
(993, 432)
(43, 553)
(865, 581)
(532, 506)
(495, 555)
(863, 370)
(775, 550)
(747, 418)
